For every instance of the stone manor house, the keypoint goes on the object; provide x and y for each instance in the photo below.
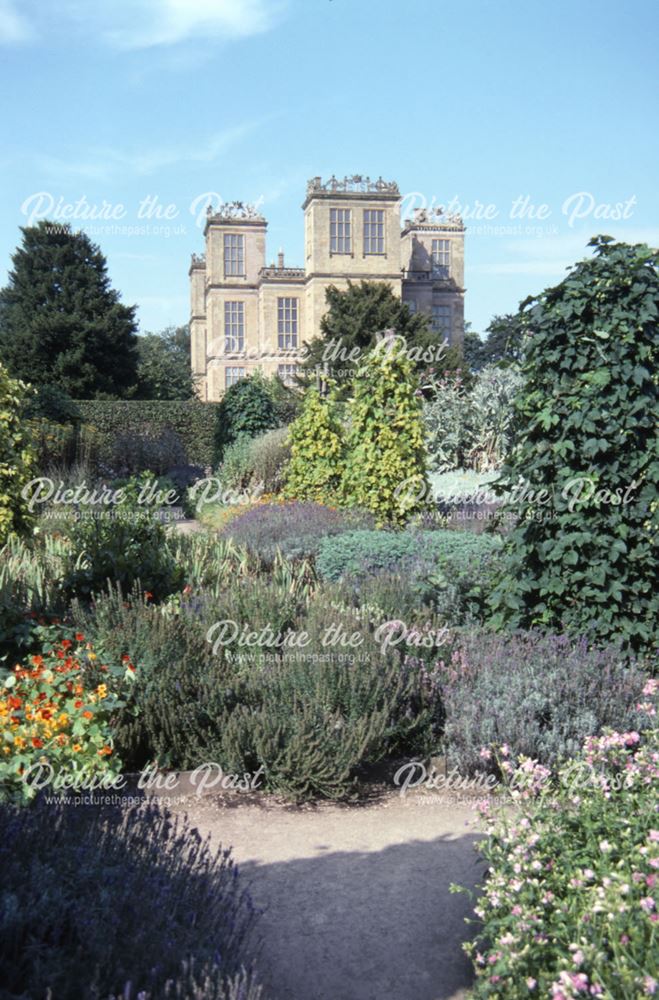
(248, 315)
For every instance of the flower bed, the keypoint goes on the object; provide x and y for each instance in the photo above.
(569, 907)
(56, 709)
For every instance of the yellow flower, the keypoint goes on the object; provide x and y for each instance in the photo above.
(76, 748)
(102, 690)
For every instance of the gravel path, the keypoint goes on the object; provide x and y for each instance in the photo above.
(356, 897)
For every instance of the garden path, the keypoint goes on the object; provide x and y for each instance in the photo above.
(356, 898)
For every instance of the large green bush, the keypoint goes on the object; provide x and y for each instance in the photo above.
(190, 421)
(246, 409)
(385, 445)
(317, 451)
(99, 903)
(582, 555)
(17, 463)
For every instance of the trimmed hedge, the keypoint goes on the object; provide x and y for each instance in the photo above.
(191, 419)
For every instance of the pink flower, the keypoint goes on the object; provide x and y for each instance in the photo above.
(531, 983)
(654, 835)
(516, 911)
(485, 754)
(647, 904)
(650, 985)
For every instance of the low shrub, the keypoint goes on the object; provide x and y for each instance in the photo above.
(296, 529)
(122, 545)
(312, 715)
(56, 709)
(451, 569)
(249, 463)
(97, 904)
(569, 908)
(542, 695)
(31, 573)
(246, 409)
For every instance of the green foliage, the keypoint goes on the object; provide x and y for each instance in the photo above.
(386, 460)
(451, 569)
(473, 350)
(350, 328)
(61, 322)
(568, 908)
(581, 555)
(313, 716)
(317, 451)
(544, 695)
(101, 903)
(506, 339)
(470, 425)
(256, 463)
(164, 369)
(17, 458)
(124, 544)
(192, 421)
(50, 403)
(245, 409)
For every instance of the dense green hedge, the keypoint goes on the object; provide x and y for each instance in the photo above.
(191, 419)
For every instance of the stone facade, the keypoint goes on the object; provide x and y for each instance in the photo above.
(248, 316)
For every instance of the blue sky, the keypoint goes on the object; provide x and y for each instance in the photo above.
(118, 101)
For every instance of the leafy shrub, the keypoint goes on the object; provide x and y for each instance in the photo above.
(453, 568)
(190, 419)
(52, 443)
(31, 575)
(245, 409)
(491, 416)
(470, 425)
(317, 716)
(316, 440)
(50, 403)
(385, 446)
(57, 709)
(121, 545)
(295, 528)
(312, 721)
(249, 463)
(569, 907)
(542, 695)
(587, 437)
(446, 422)
(96, 902)
(17, 460)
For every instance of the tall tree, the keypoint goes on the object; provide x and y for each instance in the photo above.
(61, 321)
(163, 370)
(351, 325)
(505, 338)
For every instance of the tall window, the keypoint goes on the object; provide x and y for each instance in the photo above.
(233, 375)
(340, 230)
(441, 256)
(234, 326)
(287, 373)
(234, 254)
(441, 319)
(373, 230)
(287, 322)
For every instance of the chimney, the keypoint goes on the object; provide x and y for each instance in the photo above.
(280, 260)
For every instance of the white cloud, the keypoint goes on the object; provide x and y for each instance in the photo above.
(14, 28)
(106, 163)
(138, 24)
